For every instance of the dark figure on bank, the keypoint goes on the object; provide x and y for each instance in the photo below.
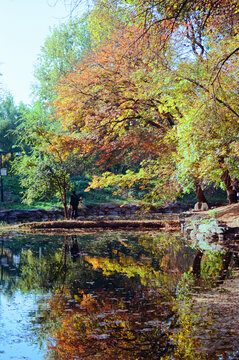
(74, 202)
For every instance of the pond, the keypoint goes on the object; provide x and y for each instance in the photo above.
(117, 295)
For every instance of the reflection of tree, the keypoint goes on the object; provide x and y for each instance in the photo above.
(139, 324)
(127, 311)
(227, 257)
(117, 298)
(42, 274)
(13, 254)
(197, 264)
(184, 334)
(142, 270)
(100, 325)
(210, 269)
(9, 269)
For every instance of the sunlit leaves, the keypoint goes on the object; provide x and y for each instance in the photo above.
(143, 96)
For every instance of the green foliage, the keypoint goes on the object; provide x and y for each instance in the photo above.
(105, 18)
(10, 116)
(61, 50)
(94, 196)
(42, 172)
(12, 192)
(41, 177)
(153, 183)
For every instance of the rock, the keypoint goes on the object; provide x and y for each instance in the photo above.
(201, 206)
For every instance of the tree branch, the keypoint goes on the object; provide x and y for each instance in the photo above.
(223, 62)
(220, 101)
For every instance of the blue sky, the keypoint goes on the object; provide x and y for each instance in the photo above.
(24, 26)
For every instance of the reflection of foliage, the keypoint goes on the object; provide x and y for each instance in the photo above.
(8, 282)
(14, 252)
(155, 255)
(210, 272)
(142, 269)
(44, 273)
(185, 285)
(128, 313)
(100, 326)
(211, 267)
(184, 337)
(41, 321)
(117, 300)
(193, 317)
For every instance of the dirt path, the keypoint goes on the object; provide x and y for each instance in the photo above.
(228, 214)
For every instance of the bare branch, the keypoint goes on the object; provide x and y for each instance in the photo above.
(220, 101)
(223, 62)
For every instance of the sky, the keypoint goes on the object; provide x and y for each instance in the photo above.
(24, 26)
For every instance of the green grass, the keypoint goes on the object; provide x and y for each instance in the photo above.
(36, 205)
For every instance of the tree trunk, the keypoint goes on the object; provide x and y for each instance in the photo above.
(231, 192)
(200, 195)
(63, 190)
(66, 214)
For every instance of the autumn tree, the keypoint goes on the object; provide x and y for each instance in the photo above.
(207, 134)
(208, 74)
(117, 110)
(140, 94)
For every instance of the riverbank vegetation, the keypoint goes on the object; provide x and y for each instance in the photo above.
(139, 97)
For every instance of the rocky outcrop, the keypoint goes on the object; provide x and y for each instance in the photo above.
(203, 231)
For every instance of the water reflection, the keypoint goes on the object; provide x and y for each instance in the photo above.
(118, 296)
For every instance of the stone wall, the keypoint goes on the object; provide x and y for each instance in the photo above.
(11, 216)
(89, 212)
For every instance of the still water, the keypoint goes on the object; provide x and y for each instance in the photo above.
(117, 296)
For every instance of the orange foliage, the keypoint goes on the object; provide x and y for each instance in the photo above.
(102, 327)
(107, 103)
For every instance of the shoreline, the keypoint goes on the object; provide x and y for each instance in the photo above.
(227, 216)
